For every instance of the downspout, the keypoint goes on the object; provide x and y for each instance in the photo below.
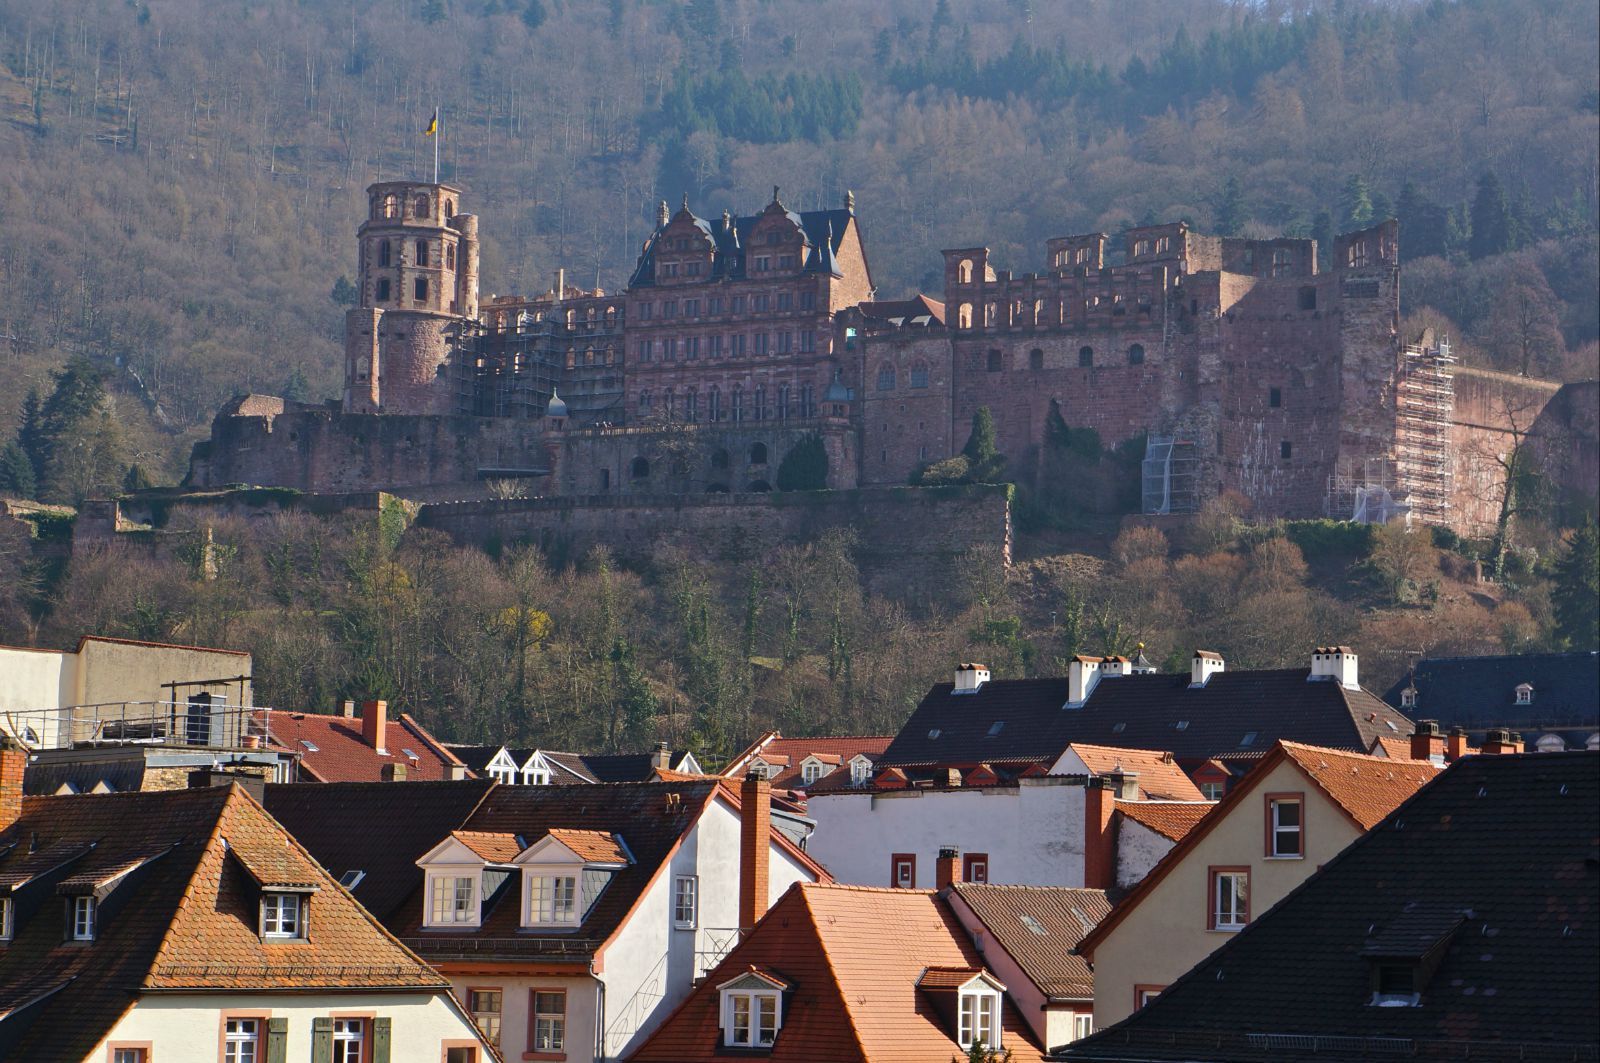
(599, 1015)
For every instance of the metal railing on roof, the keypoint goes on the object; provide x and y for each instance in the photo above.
(194, 723)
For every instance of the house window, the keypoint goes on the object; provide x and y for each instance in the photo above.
(886, 378)
(1408, 698)
(811, 771)
(980, 1019)
(1285, 826)
(349, 1040)
(975, 867)
(1144, 994)
(127, 1054)
(83, 918)
(860, 770)
(1212, 791)
(452, 899)
(1524, 694)
(548, 1016)
(750, 1018)
(903, 871)
(281, 916)
(685, 902)
(241, 1041)
(1082, 1026)
(6, 928)
(1230, 898)
(1274, 397)
(552, 899)
(485, 1005)
(540, 776)
(1396, 985)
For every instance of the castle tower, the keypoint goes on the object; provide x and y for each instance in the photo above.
(418, 280)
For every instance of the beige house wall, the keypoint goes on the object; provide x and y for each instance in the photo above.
(1167, 933)
(119, 671)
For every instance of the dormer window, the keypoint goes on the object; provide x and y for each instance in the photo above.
(85, 912)
(452, 899)
(980, 1017)
(860, 771)
(1408, 698)
(565, 872)
(1524, 694)
(752, 1010)
(552, 900)
(969, 999)
(283, 917)
(6, 919)
(810, 771)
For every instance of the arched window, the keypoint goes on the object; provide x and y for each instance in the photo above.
(391, 208)
(964, 271)
(449, 208)
(886, 377)
(1136, 354)
(644, 401)
(758, 454)
(450, 256)
(738, 405)
(714, 404)
(759, 486)
(919, 374)
(964, 316)
(588, 356)
(385, 253)
(611, 317)
(572, 359)
(720, 459)
(1085, 356)
(422, 206)
(761, 402)
(422, 252)
(611, 354)
(382, 293)
(641, 469)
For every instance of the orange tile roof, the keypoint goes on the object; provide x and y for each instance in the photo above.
(493, 847)
(947, 977)
(343, 755)
(597, 846)
(790, 752)
(1159, 774)
(1393, 748)
(1170, 819)
(1367, 788)
(855, 995)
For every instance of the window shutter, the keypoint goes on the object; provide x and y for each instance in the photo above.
(322, 1040)
(380, 1039)
(278, 1040)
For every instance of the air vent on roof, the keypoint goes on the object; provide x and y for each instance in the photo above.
(1249, 738)
(311, 747)
(351, 879)
(1034, 925)
(996, 727)
(1390, 725)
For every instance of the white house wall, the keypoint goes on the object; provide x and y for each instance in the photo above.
(36, 679)
(1033, 832)
(1138, 850)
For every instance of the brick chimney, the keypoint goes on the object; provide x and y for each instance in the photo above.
(947, 869)
(13, 765)
(1427, 743)
(1099, 862)
(755, 847)
(394, 771)
(1455, 745)
(662, 757)
(375, 724)
(1501, 741)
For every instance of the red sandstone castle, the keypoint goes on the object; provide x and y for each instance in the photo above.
(1243, 366)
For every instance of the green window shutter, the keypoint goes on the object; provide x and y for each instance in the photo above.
(278, 1040)
(322, 1040)
(380, 1039)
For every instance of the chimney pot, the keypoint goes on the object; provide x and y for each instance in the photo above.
(1082, 675)
(1338, 663)
(347, 709)
(662, 757)
(947, 869)
(1500, 741)
(755, 847)
(394, 772)
(1427, 743)
(1455, 744)
(375, 725)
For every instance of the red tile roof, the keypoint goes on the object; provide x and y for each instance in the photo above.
(854, 956)
(597, 846)
(790, 752)
(1159, 774)
(1172, 820)
(493, 847)
(343, 755)
(1039, 926)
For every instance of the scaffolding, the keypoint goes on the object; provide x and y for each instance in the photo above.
(1424, 406)
(1170, 475)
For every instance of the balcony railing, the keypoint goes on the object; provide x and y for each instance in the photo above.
(211, 724)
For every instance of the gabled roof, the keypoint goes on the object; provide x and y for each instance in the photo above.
(594, 846)
(1477, 693)
(917, 310)
(180, 913)
(773, 748)
(1160, 778)
(1244, 711)
(1173, 820)
(1506, 844)
(823, 232)
(1364, 788)
(1039, 926)
(852, 997)
(493, 848)
(342, 755)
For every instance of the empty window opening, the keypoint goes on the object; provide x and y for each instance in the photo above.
(1136, 354)
(1275, 397)
(1036, 359)
(1085, 356)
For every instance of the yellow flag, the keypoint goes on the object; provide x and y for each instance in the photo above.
(433, 124)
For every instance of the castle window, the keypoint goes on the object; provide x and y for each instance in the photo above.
(385, 255)
(919, 374)
(1085, 356)
(1036, 358)
(588, 356)
(381, 292)
(1286, 450)
(668, 404)
(643, 350)
(736, 406)
(761, 343)
(422, 252)
(714, 404)
(758, 453)
(785, 301)
(758, 303)
(786, 262)
(1163, 245)
(785, 342)
(669, 350)
(422, 206)
(1281, 261)
(783, 402)
(572, 359)
(611, 354)
(1308, 298)
(1274, 397)
(640, 469)
(449, 208)
(808, 300)
(390, 206)
(1141, 247)
(990, 314)
(996, 361)
(450, 256)
(964, 271)
(691, 407)
(644, 401)
(964, 316)
(1136, 354)
(736, 345)
(763, 263)
(714, 347)
(669, 308)
(808, 341)
(691, 308)
(691, 347)
(421, 288)
(761, 405)
(808, 402)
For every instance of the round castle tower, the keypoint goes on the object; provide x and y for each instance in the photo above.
(418, 277)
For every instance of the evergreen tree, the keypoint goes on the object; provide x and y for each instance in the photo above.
(1355, 203)
(1233, 212)
(1577, 590)
(804, 468)
(344, 293)
(980, 446)
(137, 479)
(1382, 209)
(433, 12)
(533, 15)
(1491, 219)
(30, 432)
(1424, 224)
(17, 477)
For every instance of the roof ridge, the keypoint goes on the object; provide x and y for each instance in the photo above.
(833, 970)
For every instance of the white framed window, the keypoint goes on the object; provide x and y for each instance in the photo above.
(980, 1019)
(860, 770)
(282, 916)
(83, 918)
(549, 1020)
(349, 1040)
(1285, 827)
(452, 900)
(1212, 791)
(241, 1041)
(1230, 898)
(485, 1005)
(685, 902)
(552, 899)
(750, 1018)
(536, 777)
(130, 1055)
(6, 909)
(1524, 694)
(1082, 1026)
(810, 772)
(504, 776)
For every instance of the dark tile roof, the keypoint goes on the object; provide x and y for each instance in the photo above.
(1039, 926)
(1504, 844)
(376, 828)
(824, 233)
(177, 912)
(573, 768)
(1477, 693)
(1141, 712)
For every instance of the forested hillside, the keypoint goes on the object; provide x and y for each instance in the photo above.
(180, 179)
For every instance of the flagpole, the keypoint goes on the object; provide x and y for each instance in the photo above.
(436, 145)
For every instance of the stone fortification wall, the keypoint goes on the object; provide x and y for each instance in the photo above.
(1491, 410)
(908, 537)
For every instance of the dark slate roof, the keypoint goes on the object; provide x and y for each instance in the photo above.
(1142, 712)
(1495, 862)
(376, 828)
(1477, 693)
(823, 231)
(1039, 926)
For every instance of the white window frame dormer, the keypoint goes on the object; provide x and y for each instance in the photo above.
(743, 1003)
(550, 868)
(8, 911)
(442, 866)
(1524, 693)
(978, 1004)
(812, 769)
(860, 769)
(274, 905)
(85, 917)
(536, 770)
(1408, 698)
(501, 768)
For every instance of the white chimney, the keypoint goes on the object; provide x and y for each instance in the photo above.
(1337, 663)
(969, 677)
(1201, 668)
(1082, 674)
(1116, 666)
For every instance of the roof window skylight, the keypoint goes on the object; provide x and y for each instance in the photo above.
(1248, 739)
(1118, 728)
(1034, 925)
(311, 747)
(996, 727)
(351, 879)
(934, 733)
